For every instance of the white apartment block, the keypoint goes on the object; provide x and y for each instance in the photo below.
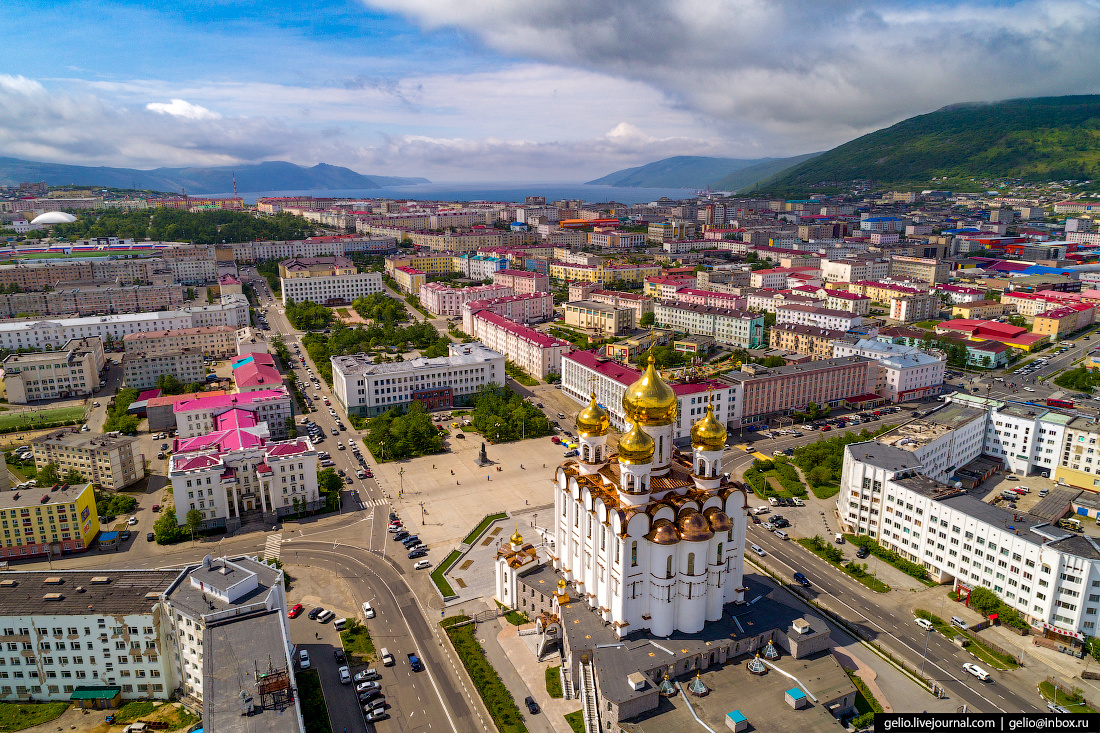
(904, 372)
(111, 461)
(743, 329)
(193, 271)
(140, 370)
(231, 311)
(48, 334)
(331, 289)
(534, 351)
(72, 371)
(365, 388)
(447, 301)
(809, 315)
(216, 341)
(479, 267)
(842, 300)
(775, 279)
(853, 270)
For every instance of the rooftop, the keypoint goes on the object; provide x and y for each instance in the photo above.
(73, 438)
(461, 355)
(82, 591)
(759, 372)
(919, 432)
(217, 401)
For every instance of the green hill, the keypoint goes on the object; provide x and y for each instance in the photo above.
(694, 171)
(1041, 139)
(746, 177)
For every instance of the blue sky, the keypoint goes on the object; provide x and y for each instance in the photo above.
(508, 89)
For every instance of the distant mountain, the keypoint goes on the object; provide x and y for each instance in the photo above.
(1045, 138)
(269, 176)
(689, 171)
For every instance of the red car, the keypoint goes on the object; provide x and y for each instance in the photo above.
(295, 610)
(156, 507)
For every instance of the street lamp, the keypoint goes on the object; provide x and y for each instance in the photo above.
(927, 634)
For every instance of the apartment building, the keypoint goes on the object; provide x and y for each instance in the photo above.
(1062, 321)
(478, 266)
(532, 308)
(659, 232)
(683, 246)
(522, 282)
(616, 239)
(692, 296)
(812, 315)
(72, 371)
(316, 267)
(409, 279)
(611, 274)
(600, 318)
(913, 308)
(640, 304)
(111, 461)
(983, 309)
(920, 268)
(765, 393)
(444, 300)
(665, 287)
(70, 298)
(958, 294)
(904, 372)
(254, 372)
(1030, 304)
(47, 522)
(141, 370)
(767, 301)
(331, 290)
(809, 340)
(722, 280)
(215, 341)
(585, 371)
(198, 415)
(883, 292)
(842, 300)
(774, 279)
(738, 328)
(533, 351)
(37, 276)
(368, 389)
(425, 262)
(882, 224)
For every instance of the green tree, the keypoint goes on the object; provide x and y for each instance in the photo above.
(647, 320)
(190, 293)
(169, 384)
(194, 520)
(73, 477)
(329, 485)
(166, 529)
(291, 428)
(775, 361)
(48, 475)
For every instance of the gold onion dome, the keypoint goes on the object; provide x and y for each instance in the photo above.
(649, 400)
(561, 584)
(719, 520)
(708, 434)
(693, 526)
(635, 447)
(593, 421)
(663, 532)
(516, 538)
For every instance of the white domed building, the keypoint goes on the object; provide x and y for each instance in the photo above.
(52, 217)
(651, 538)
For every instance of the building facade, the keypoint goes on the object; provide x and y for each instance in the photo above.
(214, 341)
(141, 370)
(599, 318)
(198, 415)
(73, 371)
(112, 461)
(533, 351)
(331, 289)
(739, 328)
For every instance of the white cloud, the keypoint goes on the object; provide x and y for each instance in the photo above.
(183, 108)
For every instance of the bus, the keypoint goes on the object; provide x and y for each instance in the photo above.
(1059, 403)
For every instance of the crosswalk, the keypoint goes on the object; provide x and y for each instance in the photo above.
(374, 502)
(273, 546)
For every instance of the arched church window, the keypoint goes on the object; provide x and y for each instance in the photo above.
(668, 567)
(719, 558)
(634, 554)
(691, 563)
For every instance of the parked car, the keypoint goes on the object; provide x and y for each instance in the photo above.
(314, 613)
(367, 675)
(341, 658)
(862, 552)
(303, 659)
(295, 610)
(758, 550)
(149, 537)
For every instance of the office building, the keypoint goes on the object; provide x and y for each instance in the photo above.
(765, 393)
(198, 416)
(73, 371)
(331, 290)
(600, 318)
(112, 461)
(369, 389)
(809, 340)
(306, 267)
(444, 300)
(141, 370)
(737, 328)
(904, 372)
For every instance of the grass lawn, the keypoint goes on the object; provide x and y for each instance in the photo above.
(176, 716)
(312, 700)
(825, 491)
(515, 617)
(553, 682)
(55, 414)
(357, 643)
(973, 645)
(576, 721)
(472, 537)
(437, 574)
(1071, 699)
(16, 716)
(501, 705)
(853, 569)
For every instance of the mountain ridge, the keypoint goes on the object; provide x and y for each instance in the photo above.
(695, 171)
(198, 180)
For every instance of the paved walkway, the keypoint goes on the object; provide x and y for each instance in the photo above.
(520, 651)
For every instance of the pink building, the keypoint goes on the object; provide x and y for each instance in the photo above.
(255, 371)
(197, 416)
(534, 351)
(531, 308)
(711, 298)
(522, 282)
(447, 301)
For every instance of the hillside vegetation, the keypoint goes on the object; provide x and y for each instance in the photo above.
(1046, 138)
(694, 171)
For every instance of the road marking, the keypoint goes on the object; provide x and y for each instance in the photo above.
(272, 547)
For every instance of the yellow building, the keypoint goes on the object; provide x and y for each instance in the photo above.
(803, 339)
(601, 318)
(575, 273)
(409, 279)
(880, 292)
(39, 522)
(981, 310)
(1063, 321)
(665, 231)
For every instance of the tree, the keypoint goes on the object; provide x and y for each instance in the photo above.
(190, 293)
(48, 476)
(73, 477)
(329, 485)
(647, 320)
(775, 361)
(169, 384)
(166, 530)
(291, 428)
(194, 520)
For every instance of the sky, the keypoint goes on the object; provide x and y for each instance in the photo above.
(509, 90)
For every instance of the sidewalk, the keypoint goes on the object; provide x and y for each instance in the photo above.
(522, 658)
(522, 675)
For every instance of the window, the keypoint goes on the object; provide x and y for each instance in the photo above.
(668, 567)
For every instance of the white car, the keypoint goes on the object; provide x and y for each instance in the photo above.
(758, 550)
(1028, 389)
(925, 624)
(368, 610)
(131, 521)
(366, 687)
(345, 675)
(303, 659)
(976, 671)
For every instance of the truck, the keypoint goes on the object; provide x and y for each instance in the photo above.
(414, 662)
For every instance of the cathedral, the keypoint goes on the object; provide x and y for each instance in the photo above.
(650, 537)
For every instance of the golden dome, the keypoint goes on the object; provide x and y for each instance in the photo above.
(561, 584)
(593, 421)
(636, 447)
(719, 521)
(693, 526)
(649, 400)
(516, 538)
(663, 533)
(708, 434)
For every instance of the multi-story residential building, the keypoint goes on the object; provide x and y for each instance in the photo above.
(611, 274)
(920, 268)
(216, 341)
(980, 309)
(913, 308)
(616, 239)
(683, 246)
(767, 301)
(522, 282)
(843, 300)
(692, 296)
(141, 370)
(444, 300)
(316, 267)
(660, 232)
(159, 409)
(47, 523)
(882, 224)
(478, 266)
(533, 308)
(83, 299)
(1064, 320)
(38, 276)
(812, 315)
(198, 415)
(48, 334)
(254, 372)
(722, 280)
(111, 461)
(809, 340)
(233, 475)
(1030, 304)
(368, 389)
(883, 292)
(774, 279)
(738, 328)
(331, 289)
(426, 262)
(600, 318)
(584, 372)
(665, 287)
(534, 351)
(409, 279)
(70, 372)
(904, 372)
(765, 393)
(957, 294)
